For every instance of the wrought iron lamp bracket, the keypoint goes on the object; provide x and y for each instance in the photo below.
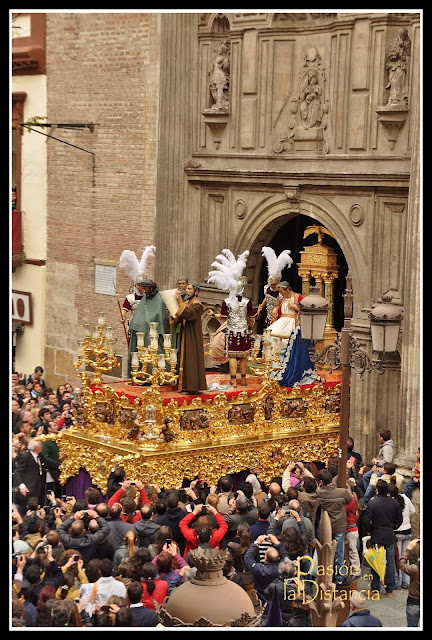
(359, 359)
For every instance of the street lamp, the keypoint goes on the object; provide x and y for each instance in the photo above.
(313, 315)
(385, 321)
(346, 351)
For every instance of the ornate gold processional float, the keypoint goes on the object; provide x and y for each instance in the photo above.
(161, 437)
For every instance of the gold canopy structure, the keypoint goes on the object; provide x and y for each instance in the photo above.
(320, 262)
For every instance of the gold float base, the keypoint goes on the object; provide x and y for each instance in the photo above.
(262, 428)
(168, 467)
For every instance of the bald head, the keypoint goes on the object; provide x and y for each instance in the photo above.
(77, 528)
(272, 555)
(294, 505)
(275, 489)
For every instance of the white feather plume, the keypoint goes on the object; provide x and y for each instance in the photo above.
(147, 253)
(227, 272)
(134, 267)
(276, 264)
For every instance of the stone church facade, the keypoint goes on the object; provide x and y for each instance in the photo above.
(237, 131)
(263, 157)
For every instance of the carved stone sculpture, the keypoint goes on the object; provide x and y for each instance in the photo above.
(311, 107)
(220, 76)
(397, 64)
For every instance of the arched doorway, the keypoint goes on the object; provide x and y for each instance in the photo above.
(290, 236)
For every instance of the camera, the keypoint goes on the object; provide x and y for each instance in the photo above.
(132, 482)
(105, 608)
(168, 542)
(76, 557)
(42, 547)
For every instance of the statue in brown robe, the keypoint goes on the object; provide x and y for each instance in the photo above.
(191, 363)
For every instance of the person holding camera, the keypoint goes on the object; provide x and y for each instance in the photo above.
(240, 510)
(411, 567)
(265, 572)
(74, 535)
(124, 496)
(74, 575)
(214, 535)
(43, 571)
(66, 419)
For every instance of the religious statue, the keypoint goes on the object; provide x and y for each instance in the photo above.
(150, 309)
(136, 270)
(311, 107)
(297, 366)
(166, 435)
(192, 378)
(398, 62)
(236, 309)
(219, 77)
(272, 295)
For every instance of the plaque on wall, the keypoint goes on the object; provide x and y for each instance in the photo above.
(105, 279)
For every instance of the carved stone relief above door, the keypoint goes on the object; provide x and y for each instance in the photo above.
(308, 105)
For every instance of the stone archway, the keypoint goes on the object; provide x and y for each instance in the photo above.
(270, 215)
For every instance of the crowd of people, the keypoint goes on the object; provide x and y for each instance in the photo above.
(111, 560)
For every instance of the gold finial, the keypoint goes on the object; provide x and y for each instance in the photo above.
(321, 231)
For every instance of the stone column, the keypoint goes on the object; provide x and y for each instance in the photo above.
(408, 429)
(177, 212)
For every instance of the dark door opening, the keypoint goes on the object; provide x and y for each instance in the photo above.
(290, 236)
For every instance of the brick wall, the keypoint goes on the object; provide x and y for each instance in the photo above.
(102, 68)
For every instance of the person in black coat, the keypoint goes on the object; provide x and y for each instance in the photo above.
(146, 528)
(360, 616)
(268, 571)
(74, 535)
(141, 616)
(285, 585)
(30, 475)
(114, 482)
(172, 517)
(380, 519)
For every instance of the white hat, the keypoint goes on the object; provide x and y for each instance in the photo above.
(21, 546)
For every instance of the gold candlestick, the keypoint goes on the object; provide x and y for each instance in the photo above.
(150, 357)
(96, 350)
(270, 360)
